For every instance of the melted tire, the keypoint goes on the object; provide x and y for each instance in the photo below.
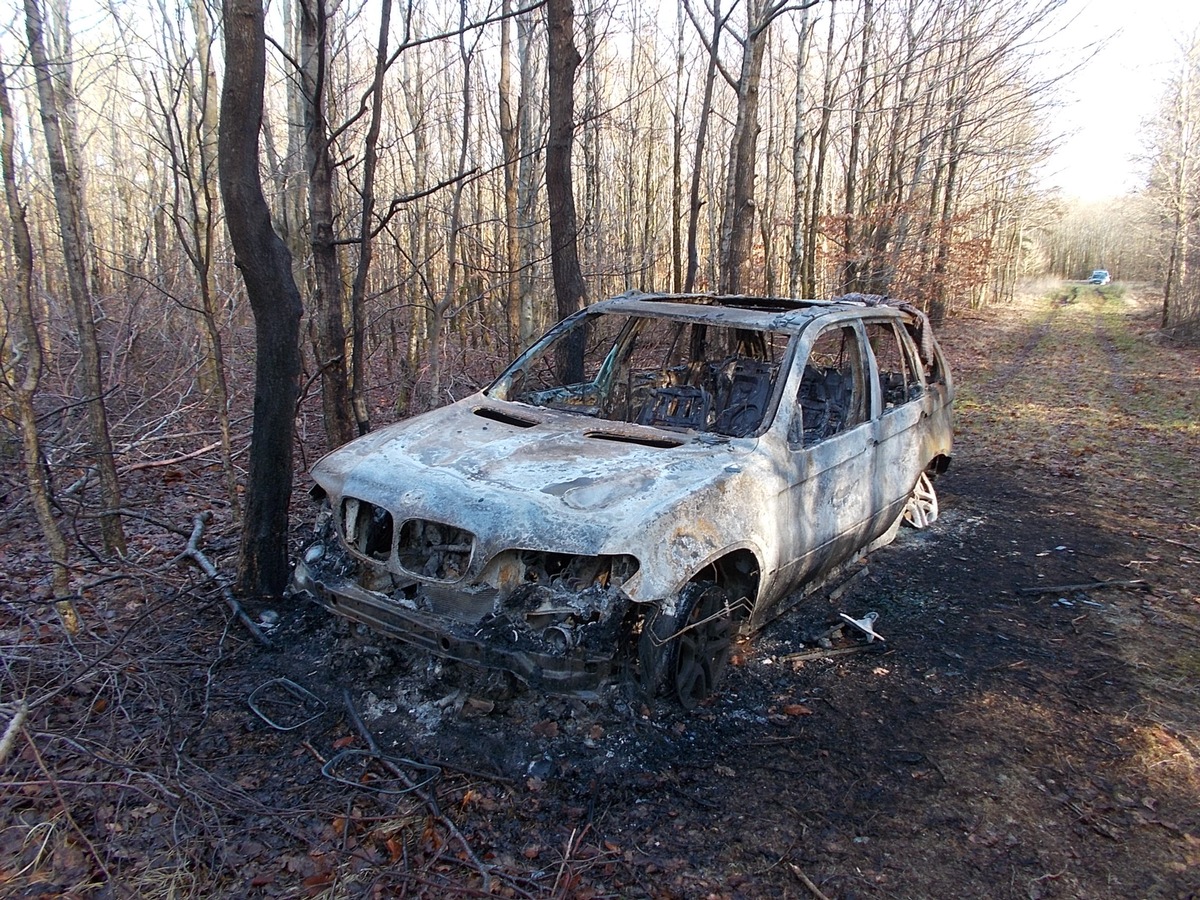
(684, 655)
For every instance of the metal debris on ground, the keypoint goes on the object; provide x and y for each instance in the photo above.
(375, 771)
(866, 625)
(822, 653)
(295, 705)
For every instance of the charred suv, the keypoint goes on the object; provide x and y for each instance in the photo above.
(651, 478)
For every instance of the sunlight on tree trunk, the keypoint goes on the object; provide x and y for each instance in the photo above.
(26, 354)
(68, 202)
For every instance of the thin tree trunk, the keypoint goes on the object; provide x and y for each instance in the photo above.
(68, 203)
(851, 266)
(1177, 257)
(27, 354)
(737, 230)
(677, 161)
(509, 143)
(817, 193)
(204, 226)
(694, 204)
(527, 189)
(329, 294)
(800, 181)
(569, 289)
(451, 287)
(265, 264)
(358, 290)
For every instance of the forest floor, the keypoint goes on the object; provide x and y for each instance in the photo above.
(1030, 729)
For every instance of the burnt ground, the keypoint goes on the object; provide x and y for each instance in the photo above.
(1030, 728)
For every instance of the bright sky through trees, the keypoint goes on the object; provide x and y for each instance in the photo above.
(1107, 101)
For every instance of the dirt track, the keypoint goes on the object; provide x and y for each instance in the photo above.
(1018, 737)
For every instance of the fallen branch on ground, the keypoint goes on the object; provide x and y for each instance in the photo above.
(431, 804)
(1182, 544)
(193, 552)
(807, 882)
(10, 733)
(823, 654)
(159, 463)
(1138, 583)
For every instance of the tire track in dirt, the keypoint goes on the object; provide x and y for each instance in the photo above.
(1020, 359)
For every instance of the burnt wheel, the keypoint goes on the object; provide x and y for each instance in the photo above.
(922, 508)
(683, 654)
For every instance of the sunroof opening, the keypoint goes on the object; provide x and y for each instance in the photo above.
(495, 416)
(660, 443)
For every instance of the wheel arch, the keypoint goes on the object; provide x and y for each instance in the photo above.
(740, 574)
(939, 464)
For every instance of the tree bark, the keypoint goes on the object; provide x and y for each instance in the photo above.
(358, 290)
(68, 203)
(203, 227)
(26, 345)
(508, 141)
(694, 203)
(851, 265)
(329, 294)
(527, 181)
(737, 230)
(569, 289)
(265, 264)
(800, 166)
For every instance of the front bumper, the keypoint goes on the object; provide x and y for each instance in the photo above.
(493, 643)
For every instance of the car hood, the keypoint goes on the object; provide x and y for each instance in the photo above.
(517, 477)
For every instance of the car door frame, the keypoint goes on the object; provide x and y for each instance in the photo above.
(826, 510)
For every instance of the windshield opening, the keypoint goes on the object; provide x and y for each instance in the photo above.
(667, 373)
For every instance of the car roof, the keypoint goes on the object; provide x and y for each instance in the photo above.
(766, 313)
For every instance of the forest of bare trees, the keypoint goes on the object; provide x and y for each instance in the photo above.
(409, 156)
(1173, 188)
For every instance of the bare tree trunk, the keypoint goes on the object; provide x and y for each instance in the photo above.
(265, 265)
(329, 293)
(27, 354)
(569, 289)
(710, 77)
(1180, 184)
(68, 203)
(801, 183)
(817, 192)
(451, 287)
(288, 173)
(677, 161)
(204, 226)
(526, 177)
(62, 52)
(358, 290)
(593, 225)
(737, 230)
(851, 266)
(509, 143)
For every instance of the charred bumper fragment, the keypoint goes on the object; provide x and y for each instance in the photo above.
(554, 620)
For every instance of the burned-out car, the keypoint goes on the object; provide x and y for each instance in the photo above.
(654, 476)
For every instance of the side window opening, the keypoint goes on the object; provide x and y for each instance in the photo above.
(834, 394)
(899, 378)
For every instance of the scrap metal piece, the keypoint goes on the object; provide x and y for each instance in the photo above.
(829, 653)
(381, 778)
(866, 625)
(290, 699)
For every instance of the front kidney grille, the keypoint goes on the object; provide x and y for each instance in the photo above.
(367, 528)
(434, 550)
